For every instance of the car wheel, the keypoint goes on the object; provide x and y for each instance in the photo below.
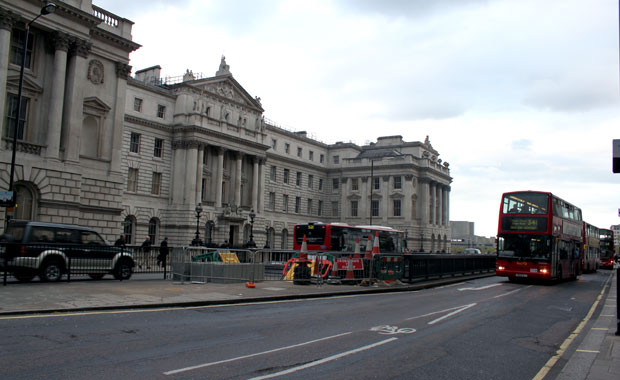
(51, 271)
(96, 276)
(24, 275)
(123, 270)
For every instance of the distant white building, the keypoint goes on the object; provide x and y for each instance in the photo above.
(463, 236)
(138, 154)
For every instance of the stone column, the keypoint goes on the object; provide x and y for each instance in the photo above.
(191, 163)
(74, 101)
(431, 203)
(61, 45)
(122, 73)
(7, 19)
(255, 184)
(261, 186)
(219, 177)
(439, 204)
(238, 179)
(200, 159)
(423, 206)
(178, 172)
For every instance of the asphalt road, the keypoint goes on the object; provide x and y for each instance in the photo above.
(482, 329)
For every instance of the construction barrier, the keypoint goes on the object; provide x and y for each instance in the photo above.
(389, 268)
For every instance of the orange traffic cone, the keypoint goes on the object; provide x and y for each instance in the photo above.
(375, 245)
(356, 253)
(350, 274)
(368, 249)
(303, 252)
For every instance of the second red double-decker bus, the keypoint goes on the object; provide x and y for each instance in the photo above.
(607, 248)
(343, 237)
(540, 236)
(591, 248)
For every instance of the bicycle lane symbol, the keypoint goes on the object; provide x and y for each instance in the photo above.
(393, 330)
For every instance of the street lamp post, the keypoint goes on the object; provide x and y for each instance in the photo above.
(251, 243)
(47, 9)
(267, 237)
(197, 241)
(422, 242)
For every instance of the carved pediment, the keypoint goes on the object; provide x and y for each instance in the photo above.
(29, 86)
(96, 105)
(227, 87)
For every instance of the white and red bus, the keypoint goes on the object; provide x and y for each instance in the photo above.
(591, 248)
(607, 248)
(343, 237)
(540, 236)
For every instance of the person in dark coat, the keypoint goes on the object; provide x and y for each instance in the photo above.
(120, 242)
(163, 252)
(146, 244)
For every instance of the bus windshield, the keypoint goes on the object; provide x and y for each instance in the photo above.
(314, 234)
(524, 246)
(525, 203)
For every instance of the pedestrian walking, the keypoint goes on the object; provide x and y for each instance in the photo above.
(163, 252)
(145, 247)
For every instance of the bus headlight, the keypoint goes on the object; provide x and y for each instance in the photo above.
(544, 270)
(501, 267)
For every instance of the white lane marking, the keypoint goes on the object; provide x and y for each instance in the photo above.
(175, 371)
(325, 360)
(514, 291)
(451, 314)
(480, 288)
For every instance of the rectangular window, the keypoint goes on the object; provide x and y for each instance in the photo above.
(334, 208)
(161, 111)
(374, 207)
(12, 116)
(319, 212)
(336, 159)
(310, 181)
(355, 184)
(377, 183)
(134, 144)
(202, 189)
(274, 143)
(320, 184)
(335, 183)
(287, 148)
(158, 150)
(353, 208)
(137, 104)
(397, 207)
(272, 201)
(299, 152)
(298, 180)
(311, 155)
(398, 184)
(322, 158)
(272, 173)
(297, 205)
(285, 180)
(132, 180)
(309, 206)
(18, 38)
(285, 203)
(156, 184)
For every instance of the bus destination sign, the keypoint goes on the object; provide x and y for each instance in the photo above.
(515, 223)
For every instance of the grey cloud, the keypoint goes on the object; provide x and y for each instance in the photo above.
(405, 8)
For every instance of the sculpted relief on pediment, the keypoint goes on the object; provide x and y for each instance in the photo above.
(226, 90)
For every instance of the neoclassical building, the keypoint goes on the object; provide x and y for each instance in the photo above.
(138, 154)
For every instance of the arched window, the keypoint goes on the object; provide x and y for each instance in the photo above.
(26, 202)
(284, 244)
(129, 228)
(153, 229)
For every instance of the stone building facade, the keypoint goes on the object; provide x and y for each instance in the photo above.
(139, 154)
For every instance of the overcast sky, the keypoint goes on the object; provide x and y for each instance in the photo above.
(514, 94)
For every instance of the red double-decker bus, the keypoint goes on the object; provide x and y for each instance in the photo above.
(607, 248)
(540, 236)
(343, 237)
(591, 248)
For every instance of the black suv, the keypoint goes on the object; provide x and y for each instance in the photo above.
(49, 250)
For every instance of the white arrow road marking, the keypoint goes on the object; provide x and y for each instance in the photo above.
(462, 308)
(480, 288)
